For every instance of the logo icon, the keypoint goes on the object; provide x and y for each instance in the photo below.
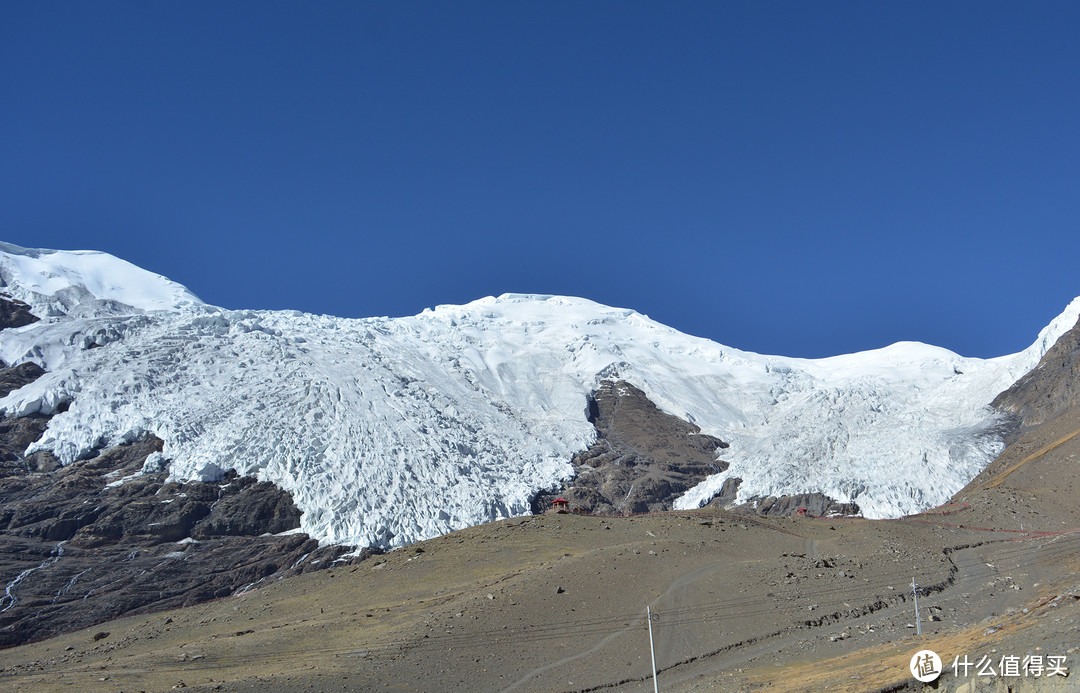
(925, 666)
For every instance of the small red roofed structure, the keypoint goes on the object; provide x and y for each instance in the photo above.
(560, 503)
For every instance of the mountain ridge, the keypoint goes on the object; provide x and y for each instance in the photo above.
(462, 413)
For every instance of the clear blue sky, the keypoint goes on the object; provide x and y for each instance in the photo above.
(798, 178)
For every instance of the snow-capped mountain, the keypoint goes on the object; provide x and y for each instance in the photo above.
(390, 430)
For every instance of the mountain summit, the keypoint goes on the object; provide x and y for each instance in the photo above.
(386, 431)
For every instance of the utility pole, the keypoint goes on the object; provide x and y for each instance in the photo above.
(655, 685)
(915, 591)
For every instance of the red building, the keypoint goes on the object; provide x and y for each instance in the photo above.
(560, 503)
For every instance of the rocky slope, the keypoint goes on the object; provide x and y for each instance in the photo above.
(104, 537)
(1050, 389)
(557, 603)
(642, 460)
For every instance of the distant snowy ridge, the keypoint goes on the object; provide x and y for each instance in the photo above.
(387, 431)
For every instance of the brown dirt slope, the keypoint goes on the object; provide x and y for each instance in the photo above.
(557, 603)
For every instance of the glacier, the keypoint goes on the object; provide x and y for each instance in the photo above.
(388, 431)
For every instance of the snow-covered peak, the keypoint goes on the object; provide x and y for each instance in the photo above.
(85, 282)
(391, 430)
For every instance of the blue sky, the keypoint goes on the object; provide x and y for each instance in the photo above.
(795, 178)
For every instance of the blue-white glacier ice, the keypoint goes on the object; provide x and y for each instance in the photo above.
(391, 430)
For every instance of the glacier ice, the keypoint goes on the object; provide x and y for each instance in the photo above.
(387, 431)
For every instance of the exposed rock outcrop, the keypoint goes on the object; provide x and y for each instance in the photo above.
(114, 539)
(642, 460)
(14, 313)
(14, 377)
(814, 504)
(17, 434)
